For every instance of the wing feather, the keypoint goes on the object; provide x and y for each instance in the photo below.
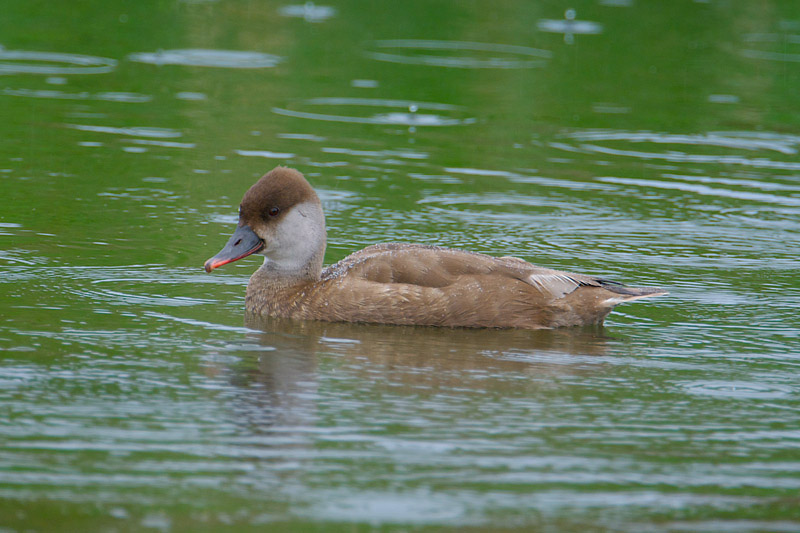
(432, 266)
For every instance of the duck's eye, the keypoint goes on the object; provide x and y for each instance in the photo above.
(273, 211)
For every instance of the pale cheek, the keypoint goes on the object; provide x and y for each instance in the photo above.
(296, 239)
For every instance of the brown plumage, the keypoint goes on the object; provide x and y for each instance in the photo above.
(281, 218)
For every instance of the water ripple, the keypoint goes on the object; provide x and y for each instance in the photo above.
(115, 297)
(163, 144)
(265, 153)
(784, 42)
(763, 185)
(132, 131)
(738, 389)
(511, 56)
(567, 26)
(198, 323)
(570, 26)
(784, 145)
(684, 157)
(310, 12)
(61, 95)
(208, 58)
(705, 190)
(405, 154)
(397, 112)
(29, 62)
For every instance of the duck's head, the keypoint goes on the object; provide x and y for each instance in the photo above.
(281, 218)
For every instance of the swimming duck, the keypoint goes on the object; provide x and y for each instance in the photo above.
(281, 218)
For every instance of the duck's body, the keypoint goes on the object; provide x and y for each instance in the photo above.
(281, 218)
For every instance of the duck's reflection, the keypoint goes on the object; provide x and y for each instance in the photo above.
(295, 356)
(427, 346)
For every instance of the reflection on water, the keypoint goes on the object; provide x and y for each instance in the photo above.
(444, 348)
(416, 357)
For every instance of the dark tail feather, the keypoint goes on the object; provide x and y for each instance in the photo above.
(631, 293)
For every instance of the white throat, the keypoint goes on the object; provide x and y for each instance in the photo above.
(298, 243)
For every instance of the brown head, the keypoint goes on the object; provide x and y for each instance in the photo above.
(281, 218)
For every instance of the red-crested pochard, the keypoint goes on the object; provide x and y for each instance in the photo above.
(281, 218)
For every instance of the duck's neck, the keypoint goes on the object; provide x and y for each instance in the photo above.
(275, 293)
(280, 273)
(292, 262)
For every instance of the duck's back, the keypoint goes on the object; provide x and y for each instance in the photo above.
(428, 285)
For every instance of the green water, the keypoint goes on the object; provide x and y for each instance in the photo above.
(658, 146)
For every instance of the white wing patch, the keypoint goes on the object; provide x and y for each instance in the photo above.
(554, 284)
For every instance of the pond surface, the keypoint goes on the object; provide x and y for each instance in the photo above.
(652, 143)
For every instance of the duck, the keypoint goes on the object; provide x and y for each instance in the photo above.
(281, 218)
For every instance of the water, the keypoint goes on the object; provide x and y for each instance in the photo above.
(660, 148)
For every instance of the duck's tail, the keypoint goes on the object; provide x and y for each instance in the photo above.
(623, 293)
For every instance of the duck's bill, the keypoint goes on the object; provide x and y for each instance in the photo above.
(242, 243)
